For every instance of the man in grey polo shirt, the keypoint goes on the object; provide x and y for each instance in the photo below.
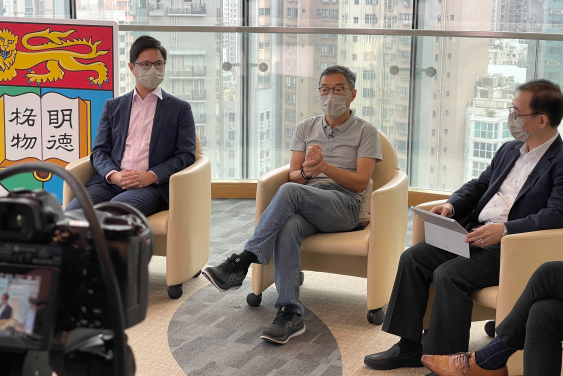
(332, 160)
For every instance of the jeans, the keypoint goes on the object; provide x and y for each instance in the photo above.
(298, 211)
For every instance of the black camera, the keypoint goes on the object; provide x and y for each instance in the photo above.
(58, 290)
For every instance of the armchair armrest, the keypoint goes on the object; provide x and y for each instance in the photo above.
(268, 185)
(388, 228)
(83, 170)
(520, 256)
(418, 223)
(189, 220)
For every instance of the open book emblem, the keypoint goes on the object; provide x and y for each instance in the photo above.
(51, 128)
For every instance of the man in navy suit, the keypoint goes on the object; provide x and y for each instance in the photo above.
(143, 137)
(521, 191)
(5, 309)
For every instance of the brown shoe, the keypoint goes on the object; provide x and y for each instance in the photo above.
(459, 364)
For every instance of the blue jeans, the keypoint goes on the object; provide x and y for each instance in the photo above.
(298, 211)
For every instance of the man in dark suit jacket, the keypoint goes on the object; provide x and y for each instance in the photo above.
(143, 137)
(521, 191)
(5, 308)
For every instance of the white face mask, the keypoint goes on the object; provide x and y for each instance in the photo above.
(334, 106)
(516, 128)
(151, 78)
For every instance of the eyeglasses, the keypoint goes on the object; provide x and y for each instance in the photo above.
(516, 116)
(335, 90)
(145, 65)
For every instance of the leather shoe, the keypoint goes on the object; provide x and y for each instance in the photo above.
(459, 364)
(393, 358)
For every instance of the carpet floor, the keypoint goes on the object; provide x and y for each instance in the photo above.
(171, 340)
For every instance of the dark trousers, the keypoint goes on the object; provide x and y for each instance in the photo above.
(535, 323)
(146, 199)
(454, 278)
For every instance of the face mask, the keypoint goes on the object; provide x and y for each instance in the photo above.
(334, 106)
(516, 128)
(151, 78)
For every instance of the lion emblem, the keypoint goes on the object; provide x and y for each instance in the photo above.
(54, 53)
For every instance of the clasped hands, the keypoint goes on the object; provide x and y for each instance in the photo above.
(131, 179)
(314, 163)
(488, 234)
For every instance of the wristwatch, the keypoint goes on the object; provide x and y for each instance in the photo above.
(505, 232)
(305, 177)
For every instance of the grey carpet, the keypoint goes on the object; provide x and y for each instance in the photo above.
(215, 333)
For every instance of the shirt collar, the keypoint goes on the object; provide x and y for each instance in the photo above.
(540, 150)
(344, 126)
(157, 91)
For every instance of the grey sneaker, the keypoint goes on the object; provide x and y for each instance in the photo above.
(286, 325)
(227, 276)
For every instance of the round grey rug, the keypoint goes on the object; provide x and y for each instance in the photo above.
(216, 333)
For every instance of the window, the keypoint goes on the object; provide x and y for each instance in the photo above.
(401, 145)
(436, 57)
(324, 14)
(403, 92)
(231, 154)
(402, 163)
(295, 13)
(452, 17)
(286, 146)
(334, 14)
(431, 169)
(443, 168)
(505, 131)
(439, 18)
(402, 128)
(356, 19)
(433, 132)
(448, 74)
(445, 130)
(447, 112)
(368, 93)
(355, 38)
(369, 74)
(445, 150)
(354, 57)
(287, 130)
(484, 150)
(403, 110)
(431, 151)
(434, 95)
(449, 56)
(434, 113)
(447, 93)
(370, 18)
(486, 130)
(478, 168)
(288, 12)
(356, 2)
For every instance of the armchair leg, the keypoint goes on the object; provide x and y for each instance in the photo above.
(254, 300)
(376, 316)
(175, 292)
(490, 328)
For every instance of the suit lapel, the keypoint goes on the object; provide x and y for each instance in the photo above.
(159, 114)
(125, 116)
(540, 168)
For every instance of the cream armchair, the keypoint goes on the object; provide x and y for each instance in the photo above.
(182, 232)
(372, 253)
(520, 256)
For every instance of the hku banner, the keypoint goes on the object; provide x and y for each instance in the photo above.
(55, 76)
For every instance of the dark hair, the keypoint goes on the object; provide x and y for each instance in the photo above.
(546, 99)
(145, 42)
(350, 76)
(6, 295)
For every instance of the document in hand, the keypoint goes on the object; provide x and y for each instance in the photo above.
(443, 232)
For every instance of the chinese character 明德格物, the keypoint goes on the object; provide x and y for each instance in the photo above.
(23, 142)
(64, 140)
(54, 118)
(28, 116)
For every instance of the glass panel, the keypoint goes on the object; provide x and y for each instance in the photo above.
(29, 8)
(460, 113)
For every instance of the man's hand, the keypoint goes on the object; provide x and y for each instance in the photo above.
(130, 179)
(488, 234)
(312, 170)
(445, 210)
(314, 154)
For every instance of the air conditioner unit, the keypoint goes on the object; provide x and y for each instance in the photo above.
(556, 11)
(552, 63)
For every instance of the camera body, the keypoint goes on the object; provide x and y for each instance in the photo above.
(50, 270)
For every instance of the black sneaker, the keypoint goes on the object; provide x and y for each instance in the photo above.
(227, 276)
(286, 325)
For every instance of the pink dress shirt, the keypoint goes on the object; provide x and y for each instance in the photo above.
(136, 154)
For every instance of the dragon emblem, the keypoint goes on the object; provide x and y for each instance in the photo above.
(55, 53)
